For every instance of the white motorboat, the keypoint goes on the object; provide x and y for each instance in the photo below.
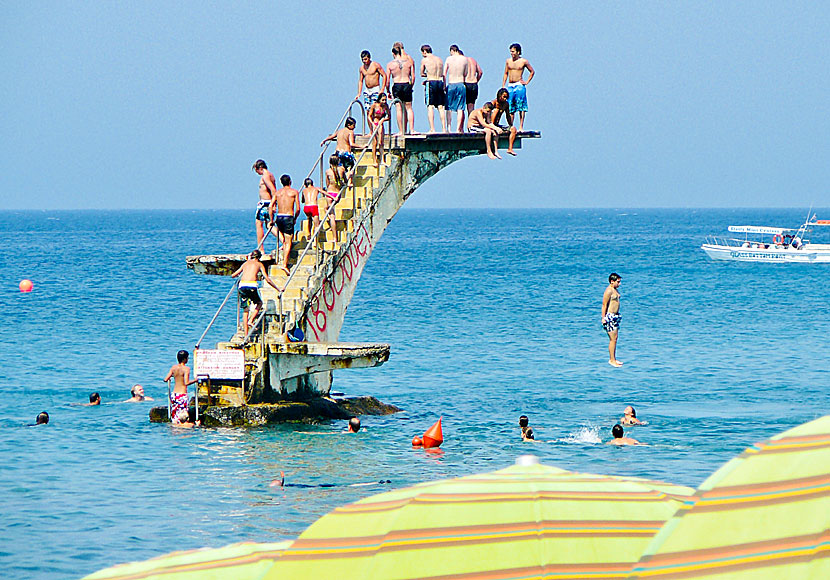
(770, 244)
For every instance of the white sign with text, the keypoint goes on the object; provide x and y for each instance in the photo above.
(220, 364)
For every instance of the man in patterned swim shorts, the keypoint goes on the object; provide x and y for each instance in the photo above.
(181, 373)
(611, 316)
(514, 70)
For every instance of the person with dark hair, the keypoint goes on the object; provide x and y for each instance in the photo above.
(474, 74)
(345, 144)
(377, 114)
(287, 204)
(370, 73)
(137, 395)
(335, 182)
(611, 316)
(181, 374)
(620, 438)
(527, 431)
(479, 122)
(310, 207)
(42, 418)
(94, 399)
(401, 73)
(501, 106)
(630, 417)
(435, 95)
(249, 288)
(354, 425)
(267, 189)
(455, 71)
(514, 69)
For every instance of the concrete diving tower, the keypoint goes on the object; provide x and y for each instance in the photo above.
(323, 283)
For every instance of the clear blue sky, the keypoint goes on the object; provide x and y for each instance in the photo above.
(641, 104)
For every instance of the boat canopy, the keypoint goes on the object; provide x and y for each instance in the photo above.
(757, 230)
(819, 223)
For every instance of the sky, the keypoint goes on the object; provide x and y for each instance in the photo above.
(166, 105)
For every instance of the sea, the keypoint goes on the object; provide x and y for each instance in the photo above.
(490, 314)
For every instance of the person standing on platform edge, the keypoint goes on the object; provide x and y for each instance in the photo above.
(401, 74)
(267, 189)
(474, 74)
(611, 316)
(455, 71)
(370, 73)
(514, 70)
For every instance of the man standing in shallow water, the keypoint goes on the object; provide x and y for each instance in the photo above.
(611, 316)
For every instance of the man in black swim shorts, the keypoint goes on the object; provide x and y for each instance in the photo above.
(249, 289)
(402, 76)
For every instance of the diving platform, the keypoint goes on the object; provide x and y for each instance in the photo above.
(293, 350)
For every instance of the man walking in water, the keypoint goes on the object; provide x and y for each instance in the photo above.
(287, 202)
(401, 73)
(370, 73)
(432, 67)
(455, 70)
(514, 70)
(249, 289)
(181, 374)
(267, 189)
(611, 316)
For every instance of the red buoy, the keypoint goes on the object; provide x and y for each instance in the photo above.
(434, 436)
(26, 285)
(416, 441)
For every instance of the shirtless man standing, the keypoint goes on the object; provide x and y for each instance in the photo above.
(432, 67)
(181, 373)
(501, 106)
(455, 71)
(514, 70)
(345, 144)
(401, 73)
(479, 122)
(287, 203)
(611, 316)
(474, 74)
(370, 73)
(410, 118)
(249, 288)
(267, 189)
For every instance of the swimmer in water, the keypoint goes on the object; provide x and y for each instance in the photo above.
(630, 417)
(527, 431)
(42, 419)
(354, 425)
(94, 399)
(183, 420)
(620, 438)
(137, 395)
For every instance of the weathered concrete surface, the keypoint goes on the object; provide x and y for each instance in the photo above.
(312, 411)
(295, 359)
(221, 264)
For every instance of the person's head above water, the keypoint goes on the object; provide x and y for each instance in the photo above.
(528, 433)
(523, 421)
(354, 425)
(183, 355)
(137, 391)
(629, 410)
(95, 399)
(617, 431)
(42, 418)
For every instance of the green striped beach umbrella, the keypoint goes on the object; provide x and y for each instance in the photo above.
(245, 561)
(526, 521)
(765, 514)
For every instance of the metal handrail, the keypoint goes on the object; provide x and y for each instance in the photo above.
(313, 238)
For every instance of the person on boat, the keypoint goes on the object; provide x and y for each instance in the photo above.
(354, 425)
(310, 207)
(137, 395)
(611, 316)
(630, 417)
(249, 288)
(370, 74)
(180, 372)
(432, 68)
(335, 181)
(401, 73)
(479, 122)
(267, 189)
(796, 243)
(620, 438)
(286, 202)
(378, 114)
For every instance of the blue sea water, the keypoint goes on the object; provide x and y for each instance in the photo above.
(490, 314)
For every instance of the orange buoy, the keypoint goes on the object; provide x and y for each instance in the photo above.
(434, 436)
(416, 441)
(26, 285)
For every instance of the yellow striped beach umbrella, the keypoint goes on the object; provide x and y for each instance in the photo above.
(245, 561)
(526, 521)
(765, 514)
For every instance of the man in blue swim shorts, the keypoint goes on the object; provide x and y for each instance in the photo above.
(455, 69)
(267, 189)
(345, 144)
(513, 79)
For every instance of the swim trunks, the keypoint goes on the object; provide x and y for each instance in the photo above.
(477, 129)
(311, 210)
(370, 96)
(347, 159)
(472, 92)
(456, 96)
(518, 97)
(178, 403)
(262, 211)
(249, 292)
(285, 224)
(611, 322)
(402, 91)
(435, 94)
